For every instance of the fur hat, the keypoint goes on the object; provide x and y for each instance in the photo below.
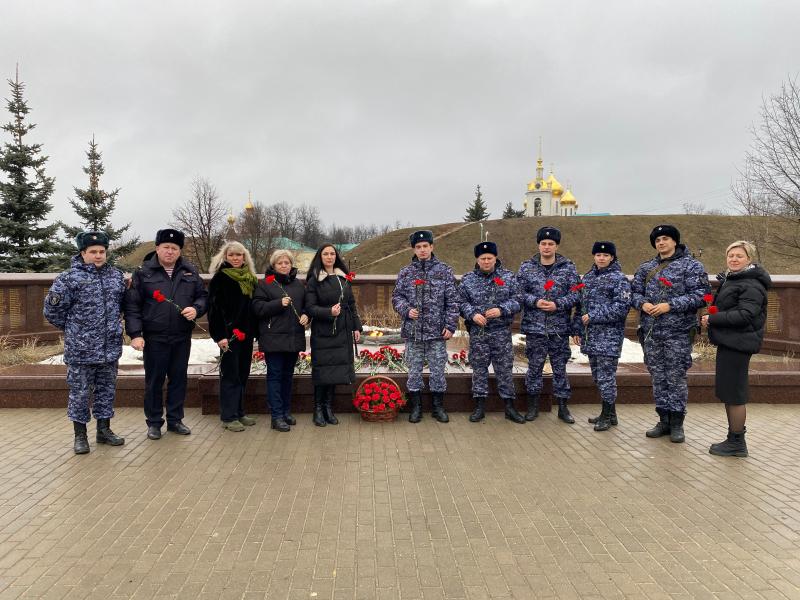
(485, 248)
(548, 233)
(169, 236)
(669, 230)
(423, 235)
(605, 247)
(91, 238)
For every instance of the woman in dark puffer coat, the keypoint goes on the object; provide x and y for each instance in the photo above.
(736, 322)
(279, 306)
(334, 329)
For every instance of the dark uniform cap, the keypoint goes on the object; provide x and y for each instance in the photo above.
(169, 236)
(423, 235)
(91, 238)
(605, 247)
(485, 248)
(669, 230)
(548, 233)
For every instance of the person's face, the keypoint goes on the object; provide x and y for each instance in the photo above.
(548, 248)
(423, 250)
(234, 258)
(737, 259)
(602, 260)
(94, 255)
(486, 262)
(328, 257)
(168, 253)
(283, 265)
(665, 245)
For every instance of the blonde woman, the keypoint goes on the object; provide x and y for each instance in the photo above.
(735, 324)
(279, 306)
(232, 328)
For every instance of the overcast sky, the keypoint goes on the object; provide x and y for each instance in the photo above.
(379, 111)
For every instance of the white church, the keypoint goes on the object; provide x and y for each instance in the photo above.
(547, 197)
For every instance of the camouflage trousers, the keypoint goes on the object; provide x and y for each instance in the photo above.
(604, 374)
(435, 352)
(91, 384)
(537, 349)
(492, 348)
(668, 360)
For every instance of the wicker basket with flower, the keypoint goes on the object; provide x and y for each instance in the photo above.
(379, 398)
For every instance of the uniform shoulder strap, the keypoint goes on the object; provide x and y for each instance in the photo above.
(655, 271)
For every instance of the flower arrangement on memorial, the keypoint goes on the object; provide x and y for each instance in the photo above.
(303, 364)
(664, 284)
(270, 280)
(379, 398)
(159, 297)
(386, 357)
(459, 360)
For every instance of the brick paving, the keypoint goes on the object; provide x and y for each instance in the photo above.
(382, 511)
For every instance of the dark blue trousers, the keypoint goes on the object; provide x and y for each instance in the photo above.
(165, 360)
(280, 370)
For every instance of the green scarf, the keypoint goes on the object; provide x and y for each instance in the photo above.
(246, 280)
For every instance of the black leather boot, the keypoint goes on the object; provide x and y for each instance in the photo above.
(280, 424)
(319, 402)
(438, 412)
(662, 427)
(603, 422)
(105, 435)
(415, 406)
(563, 411)
(511, 412)
(327, 407)
(81, 445)
(533, 408)
(676, 427)
(735, 445)
(612, 417)
(480, 409)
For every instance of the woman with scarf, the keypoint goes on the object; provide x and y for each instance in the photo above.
(334, 329)
(736, 322)
(232, 328)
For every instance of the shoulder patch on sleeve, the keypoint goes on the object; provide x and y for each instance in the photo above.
(54, 299)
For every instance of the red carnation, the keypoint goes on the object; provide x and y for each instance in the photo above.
(708, 298)
(499, 282)
(159, 297)
(419, 282)
(548, 285)
(665, 282)
(577, 286)
(455, 356)
(239, 335)
(712, 310)
(350, 276)
(270, 278)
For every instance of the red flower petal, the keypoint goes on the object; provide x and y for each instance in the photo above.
(712, 310)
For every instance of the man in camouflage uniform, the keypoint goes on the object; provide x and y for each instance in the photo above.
(546, 284)
(488, 303)
(84, 302)
(425, 296)
(599, 321)
(668, 290)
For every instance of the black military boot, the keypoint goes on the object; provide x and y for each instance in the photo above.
(81, 445)
(533, 408)
(438, 412)
(676, 427)
(319, 402)
(511, 412)
(415, 405)
(105, 435)
(612, 416)
(735, 445)
(603, 422)
(480, 409)
(280, 424)
(327, 407)
(662, 427)
(563, 411)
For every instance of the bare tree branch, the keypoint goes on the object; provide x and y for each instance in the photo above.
(202, 220)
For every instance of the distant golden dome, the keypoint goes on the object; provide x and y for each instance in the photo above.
(554, 185)
(536, 184)
(568, 198)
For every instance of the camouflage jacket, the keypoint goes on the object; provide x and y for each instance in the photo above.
(531, 279)
(606, 298)
(430, 287)
(85, 303)
(687, 283)
(481, 291)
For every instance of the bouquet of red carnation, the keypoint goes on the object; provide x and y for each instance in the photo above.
(379, 398)
(665, 285)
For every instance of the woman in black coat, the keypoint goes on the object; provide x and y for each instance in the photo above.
(278, 305)
(231, 327)
(334, 329)
(735, 324)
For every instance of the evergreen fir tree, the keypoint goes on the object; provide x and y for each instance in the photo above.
(26, 245)
(476, 211)
(510, 213)
(94, 206)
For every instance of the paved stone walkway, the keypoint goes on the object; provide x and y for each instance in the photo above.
(494, 510)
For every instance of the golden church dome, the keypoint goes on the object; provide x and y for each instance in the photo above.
(553, 184)
(536, 184)
(568, 198)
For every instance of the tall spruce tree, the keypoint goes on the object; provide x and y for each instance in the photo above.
(510, 213)
(477, 211)
(94, 206)
(26, 245)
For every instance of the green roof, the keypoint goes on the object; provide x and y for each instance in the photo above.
(287, 244)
